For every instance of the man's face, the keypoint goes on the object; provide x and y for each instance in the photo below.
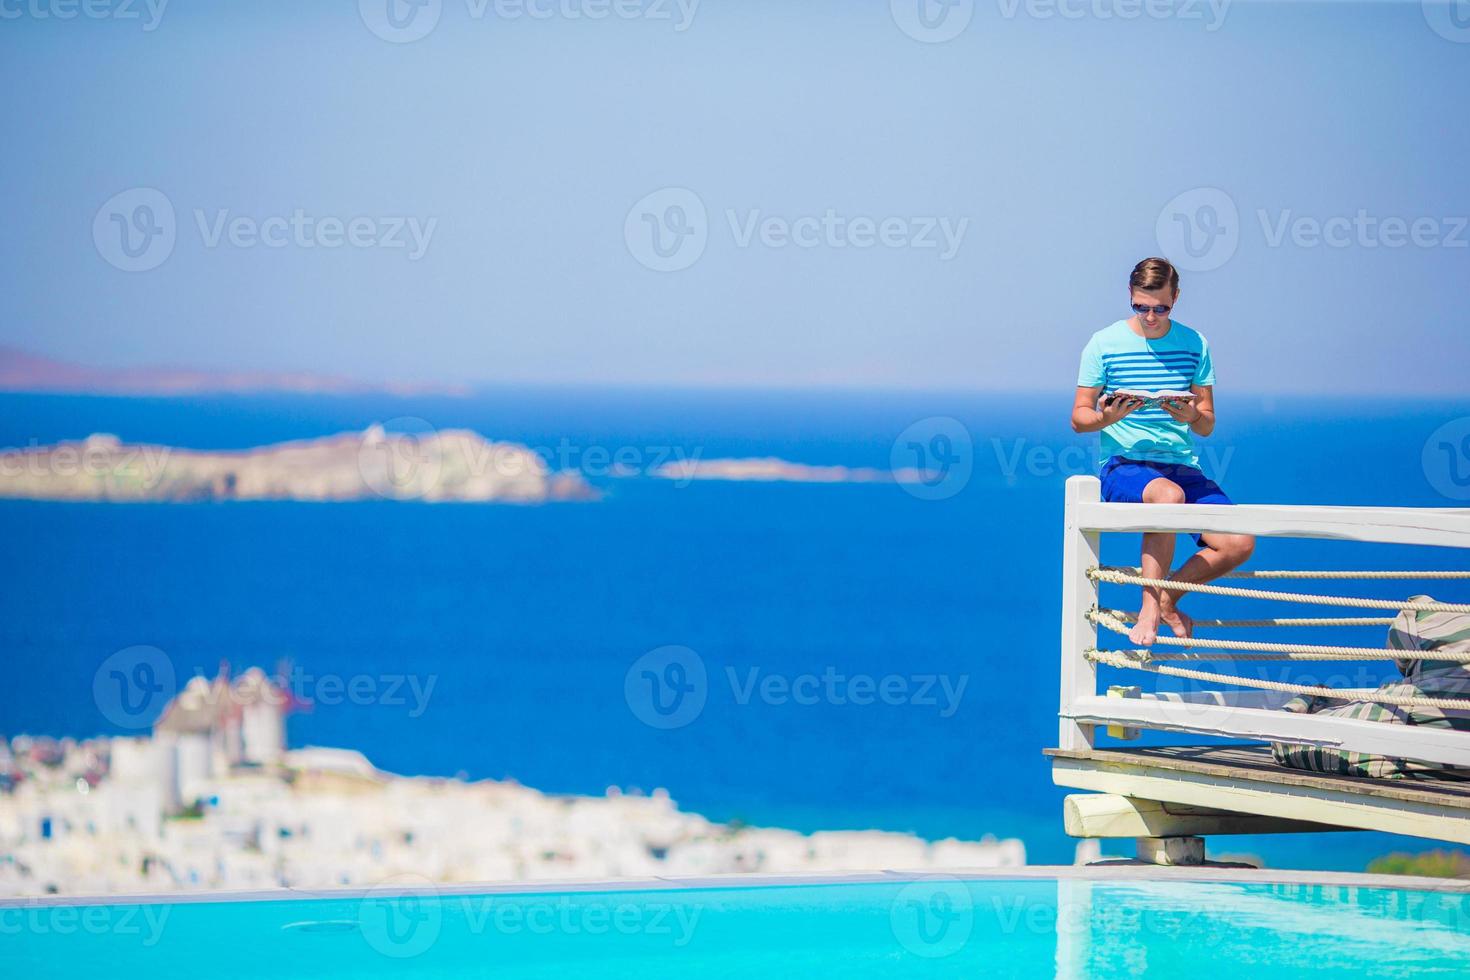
(1151, 299)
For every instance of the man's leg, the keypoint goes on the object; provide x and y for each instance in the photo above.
(1158, 556)
(1218, 554)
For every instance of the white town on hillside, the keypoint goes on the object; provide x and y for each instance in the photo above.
(214, 799)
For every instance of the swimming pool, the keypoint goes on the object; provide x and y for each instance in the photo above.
(1068, 922)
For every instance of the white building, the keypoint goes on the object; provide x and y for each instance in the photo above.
(214, 726)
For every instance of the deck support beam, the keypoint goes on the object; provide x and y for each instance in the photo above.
(1172, 851)
(1112, 815)
(1241, 786)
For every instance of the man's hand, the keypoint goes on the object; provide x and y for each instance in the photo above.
(1181, 410)
(1091, 415)
(1118, 407)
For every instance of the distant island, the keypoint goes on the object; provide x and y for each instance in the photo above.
(771, 469)
(24, 372)
(453, 465)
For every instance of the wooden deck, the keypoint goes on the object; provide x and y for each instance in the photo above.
(1244, 779)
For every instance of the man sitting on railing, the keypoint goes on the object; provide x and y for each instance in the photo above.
(1442, 632)
(1157, 386)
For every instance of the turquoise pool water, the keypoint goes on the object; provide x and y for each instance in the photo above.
(924, 928)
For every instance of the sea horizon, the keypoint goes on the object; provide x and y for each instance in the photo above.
(530, 618)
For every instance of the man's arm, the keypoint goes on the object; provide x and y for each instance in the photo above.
(1086, 417)
(1199, 414)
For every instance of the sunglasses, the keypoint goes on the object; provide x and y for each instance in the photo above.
(1141, 309)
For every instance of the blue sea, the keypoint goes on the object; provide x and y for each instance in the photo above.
(507, 641)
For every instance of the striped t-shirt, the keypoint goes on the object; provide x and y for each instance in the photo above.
(1116, 357)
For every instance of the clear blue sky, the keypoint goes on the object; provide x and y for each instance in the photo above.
(527, 141)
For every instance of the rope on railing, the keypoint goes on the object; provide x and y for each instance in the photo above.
(1129, 660)
(1397, 575)
(1302, 651)
(1129, 617)
(1104, 574)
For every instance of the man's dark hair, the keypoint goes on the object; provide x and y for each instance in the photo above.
(1154, 274)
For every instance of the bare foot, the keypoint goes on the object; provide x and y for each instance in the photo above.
(1146, 630)
(1177, 621)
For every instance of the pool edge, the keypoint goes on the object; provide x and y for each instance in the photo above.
(1103, 873)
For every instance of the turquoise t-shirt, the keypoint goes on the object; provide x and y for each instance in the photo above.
(1116, 357)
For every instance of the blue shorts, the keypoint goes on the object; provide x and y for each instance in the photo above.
(1123, 481)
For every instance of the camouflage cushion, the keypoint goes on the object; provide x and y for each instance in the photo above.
(1421, 633)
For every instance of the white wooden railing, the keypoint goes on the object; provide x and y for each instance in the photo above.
(1252, 715)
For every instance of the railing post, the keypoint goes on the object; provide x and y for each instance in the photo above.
(1079, 593)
